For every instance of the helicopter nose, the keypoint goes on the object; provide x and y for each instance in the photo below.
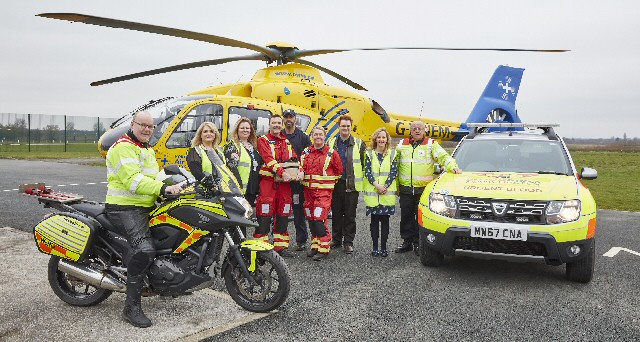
(109, 138)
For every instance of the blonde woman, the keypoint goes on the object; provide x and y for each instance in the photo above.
(380, 187)
(243, 158)
(199, 157)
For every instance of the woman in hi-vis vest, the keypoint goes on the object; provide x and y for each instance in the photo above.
(380, 188)
(199, 157)
(243, 158)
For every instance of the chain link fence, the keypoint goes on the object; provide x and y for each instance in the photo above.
(50, 133)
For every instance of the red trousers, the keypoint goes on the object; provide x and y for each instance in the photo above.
(274, 201)
(317, 203)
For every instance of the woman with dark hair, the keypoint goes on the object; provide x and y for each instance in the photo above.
(243, 158)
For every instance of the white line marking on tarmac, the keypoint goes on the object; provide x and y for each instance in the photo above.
(91, 183)
(614, 251)
(222, 328)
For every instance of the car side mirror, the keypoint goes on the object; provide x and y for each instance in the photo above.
(588, 173)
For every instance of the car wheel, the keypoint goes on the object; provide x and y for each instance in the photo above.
(581, 271)
(428, 256)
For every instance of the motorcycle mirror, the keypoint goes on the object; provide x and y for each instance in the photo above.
(172, 170)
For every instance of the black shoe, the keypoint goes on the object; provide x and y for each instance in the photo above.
(301, 246)
(286, 253)
(312, 252)
(335, 244)
(406, 246)
(383, 253)
(416, 249)
(319, 256)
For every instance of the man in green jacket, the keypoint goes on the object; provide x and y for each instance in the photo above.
(131, 194)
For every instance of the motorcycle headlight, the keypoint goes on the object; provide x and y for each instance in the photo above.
(444, 205)
(563, 211)
(245, 204)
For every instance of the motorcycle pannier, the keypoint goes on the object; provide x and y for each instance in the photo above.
(65, 235)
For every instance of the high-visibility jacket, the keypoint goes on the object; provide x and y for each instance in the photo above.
(131, 171)
(206, 162)
(322, 167)
(356, 163)
(274, 150)
(381, 173)
(416, 165)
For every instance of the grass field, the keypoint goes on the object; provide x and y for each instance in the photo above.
(617, 186)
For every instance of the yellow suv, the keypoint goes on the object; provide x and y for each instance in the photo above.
(519, 198)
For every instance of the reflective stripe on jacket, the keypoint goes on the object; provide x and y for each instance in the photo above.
(380, 172)
(322, 167)
(273, 150)
(416, 165)
(131, 173)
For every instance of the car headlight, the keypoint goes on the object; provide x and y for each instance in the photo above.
(444, 205)
(245, 204)
(563, 211)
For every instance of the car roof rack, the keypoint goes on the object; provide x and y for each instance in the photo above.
(483, 128)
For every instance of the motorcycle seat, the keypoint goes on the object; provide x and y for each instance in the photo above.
(91, 209)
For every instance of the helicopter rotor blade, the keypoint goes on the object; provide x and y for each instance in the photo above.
(199, 64)
(167, 31)
(307, 53)
(332, 73)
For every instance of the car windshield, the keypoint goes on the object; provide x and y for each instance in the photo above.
(512, 155)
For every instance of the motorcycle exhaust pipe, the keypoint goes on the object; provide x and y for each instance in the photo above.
(91, 276)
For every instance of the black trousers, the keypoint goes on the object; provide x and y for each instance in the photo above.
(343, 214)
(379, 229)
(299, 219)
(409, 217)
(134, 223)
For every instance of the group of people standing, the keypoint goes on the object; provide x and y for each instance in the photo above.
(328, 176)
(327, 179)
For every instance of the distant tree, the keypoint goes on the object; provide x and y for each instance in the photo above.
(624, 136)
(51, 131)
(98, 127)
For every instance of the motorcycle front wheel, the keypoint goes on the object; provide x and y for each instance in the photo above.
(73, 290)
(272, 276)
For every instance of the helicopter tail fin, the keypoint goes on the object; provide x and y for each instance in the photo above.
(498, 100)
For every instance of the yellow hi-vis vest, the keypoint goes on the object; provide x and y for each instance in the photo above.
(131, 172)
(206, 162)
(416, 166)
(381, 173)
(244, 165)
(357, 163)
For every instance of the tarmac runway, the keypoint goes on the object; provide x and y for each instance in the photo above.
(343, 298)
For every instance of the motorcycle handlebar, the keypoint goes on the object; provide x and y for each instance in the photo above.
(174, 196)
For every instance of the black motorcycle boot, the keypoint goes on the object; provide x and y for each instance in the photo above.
(132, 312)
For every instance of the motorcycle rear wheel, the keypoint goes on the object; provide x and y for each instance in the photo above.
(271, 273)
(73, 290)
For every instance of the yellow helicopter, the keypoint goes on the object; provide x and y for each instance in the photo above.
(292, 83)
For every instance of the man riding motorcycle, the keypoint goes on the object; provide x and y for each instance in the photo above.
(131, 194)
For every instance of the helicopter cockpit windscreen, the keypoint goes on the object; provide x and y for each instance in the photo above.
(164, 113)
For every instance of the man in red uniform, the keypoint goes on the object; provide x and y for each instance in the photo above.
(322, 168)
(274, 201)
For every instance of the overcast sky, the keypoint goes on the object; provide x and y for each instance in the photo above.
(593, 91)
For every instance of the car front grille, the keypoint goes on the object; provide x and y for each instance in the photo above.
(499, 246)
(483, 209)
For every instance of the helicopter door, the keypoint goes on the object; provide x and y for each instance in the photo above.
(179, 142)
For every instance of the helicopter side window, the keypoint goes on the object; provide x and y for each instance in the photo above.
(186, 131)
(259, 118)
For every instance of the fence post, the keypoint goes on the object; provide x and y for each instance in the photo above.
(29, 132)
(65, 133)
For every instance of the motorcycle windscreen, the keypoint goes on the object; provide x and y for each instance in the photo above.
(228, 182)
(64, 235)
